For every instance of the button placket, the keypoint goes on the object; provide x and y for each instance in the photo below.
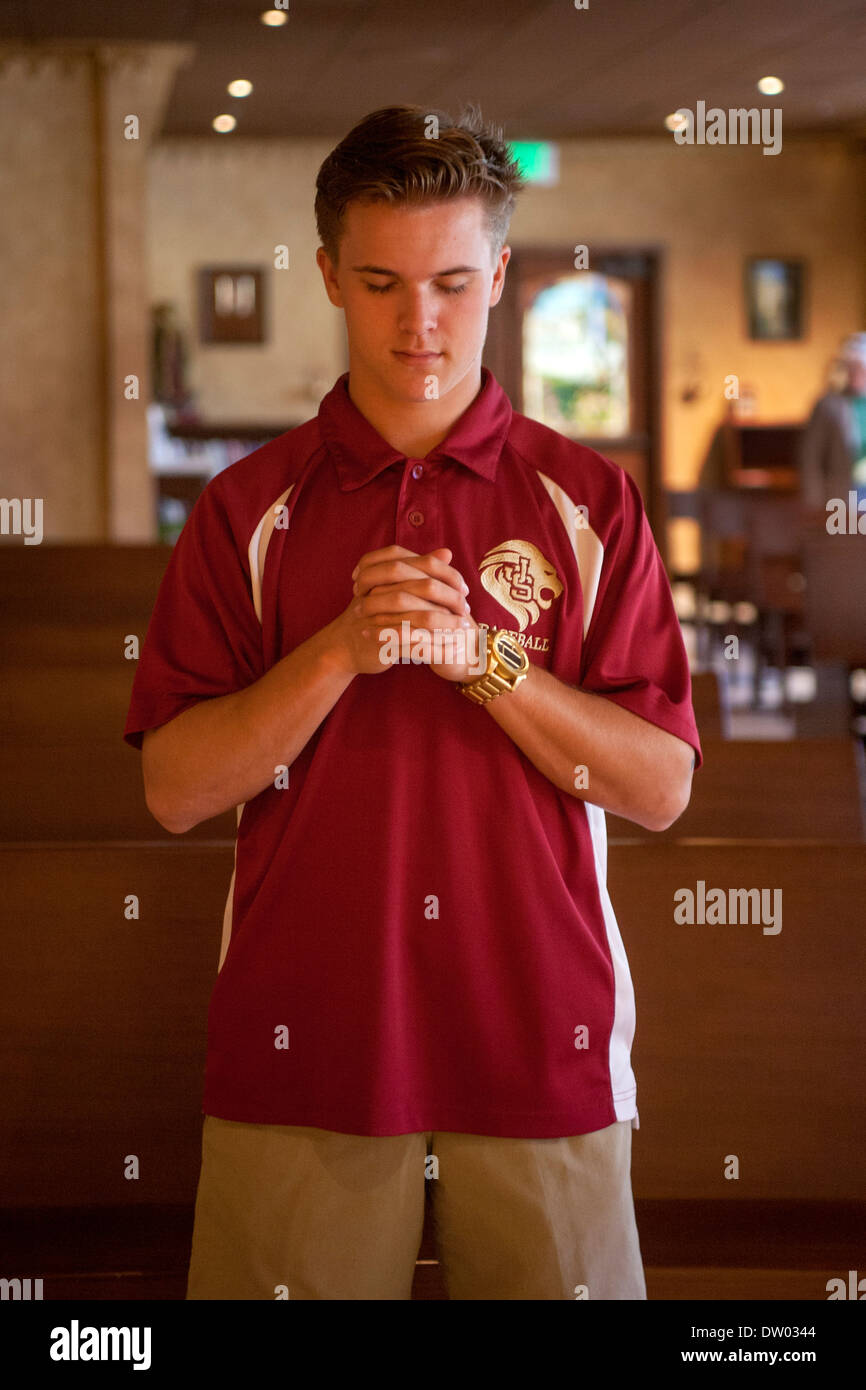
(415, 517)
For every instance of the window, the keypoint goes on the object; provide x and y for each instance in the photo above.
(576, 356)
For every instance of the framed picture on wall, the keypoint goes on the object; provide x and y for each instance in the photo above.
(774, 298)
(231, 304)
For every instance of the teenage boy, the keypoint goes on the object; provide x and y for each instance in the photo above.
(421, 976)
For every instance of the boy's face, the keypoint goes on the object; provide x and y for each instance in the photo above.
(391, 282)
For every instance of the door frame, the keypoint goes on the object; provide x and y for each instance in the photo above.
(503, 348)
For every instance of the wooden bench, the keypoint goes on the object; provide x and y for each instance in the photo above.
(747, 1043)
(711, 717)
(84, 791)
(78, 583)
(835, 596)
(103, 1020)
(65, 704)
(807, 789)
(76, 604)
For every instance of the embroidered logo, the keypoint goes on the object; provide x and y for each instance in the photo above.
(518, 576)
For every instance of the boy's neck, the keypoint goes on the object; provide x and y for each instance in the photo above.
(414, 427)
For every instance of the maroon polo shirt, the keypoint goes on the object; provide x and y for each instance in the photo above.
(418, 934)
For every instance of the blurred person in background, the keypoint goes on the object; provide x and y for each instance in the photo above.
(833, 448)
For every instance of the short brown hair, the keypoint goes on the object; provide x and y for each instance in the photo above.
(389, 157)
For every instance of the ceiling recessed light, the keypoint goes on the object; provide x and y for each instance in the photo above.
(771, 86)
(223, 124)
(273, 18)
(239, 88)
(675, 121)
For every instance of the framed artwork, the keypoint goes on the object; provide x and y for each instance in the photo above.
(774, 298)
(231, 304)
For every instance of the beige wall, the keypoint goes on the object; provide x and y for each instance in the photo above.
(215, 203)
(74, 319)
(50, 316)
(706, 208)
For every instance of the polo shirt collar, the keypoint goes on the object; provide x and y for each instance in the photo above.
(360, 452)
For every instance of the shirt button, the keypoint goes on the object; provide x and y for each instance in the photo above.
(416, 518)
(417, 470)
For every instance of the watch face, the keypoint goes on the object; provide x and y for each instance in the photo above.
(509, 652)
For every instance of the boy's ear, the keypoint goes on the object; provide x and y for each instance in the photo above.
(499, 275)
(332, 288)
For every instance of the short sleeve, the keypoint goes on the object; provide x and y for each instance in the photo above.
(634, 652)
(204, 638)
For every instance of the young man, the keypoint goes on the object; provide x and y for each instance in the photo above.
(421, 976)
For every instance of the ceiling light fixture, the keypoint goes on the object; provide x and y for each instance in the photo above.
(239, 88)
(274, 18)
(771, 86)
(223, 124)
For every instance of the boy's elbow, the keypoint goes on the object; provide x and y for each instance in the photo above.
(666, 818)
(163, 812)
(677, 797)
(165, 817)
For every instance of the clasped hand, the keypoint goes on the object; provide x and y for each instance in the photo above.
(395, 586)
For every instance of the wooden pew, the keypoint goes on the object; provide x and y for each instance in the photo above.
(78, 583)
(103, 1033)
(42, 645)
(747, 1043)
(75, 604)
(712, 718)
(65, 704)
(807, 789)
(84, 791)
(104, 1020)
(65, 770)
(835, 596)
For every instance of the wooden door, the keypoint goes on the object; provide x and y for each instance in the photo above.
(629, 278)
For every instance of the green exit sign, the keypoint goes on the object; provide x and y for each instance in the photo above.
(538, 160)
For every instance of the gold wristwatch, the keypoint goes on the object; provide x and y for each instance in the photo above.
(507, 666)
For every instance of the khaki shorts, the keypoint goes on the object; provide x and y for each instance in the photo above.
(287, 1211)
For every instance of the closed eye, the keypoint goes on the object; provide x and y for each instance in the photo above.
(446, 289)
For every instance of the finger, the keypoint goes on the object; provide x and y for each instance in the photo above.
(388, 552)
(407, 593)
(394, 552)
(393, 597)
(424, 618)
(394, 570)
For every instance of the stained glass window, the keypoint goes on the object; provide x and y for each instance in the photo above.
(575, 356)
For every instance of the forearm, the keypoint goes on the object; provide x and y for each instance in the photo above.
(224, 751)
(633, 768)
